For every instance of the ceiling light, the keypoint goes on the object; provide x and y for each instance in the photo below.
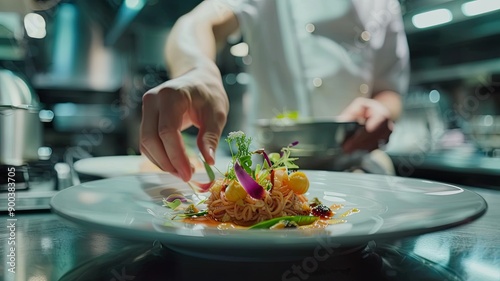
(239, 50)
(35, 25)
(434, 96)
(477, 7)
(432, 18)
(134, 4)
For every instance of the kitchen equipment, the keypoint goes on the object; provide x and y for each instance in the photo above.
(20, 126)
(389, 207)
(35, 184)
(484, 131)
(320, 140)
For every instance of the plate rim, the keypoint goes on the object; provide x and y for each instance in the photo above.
(191, 240)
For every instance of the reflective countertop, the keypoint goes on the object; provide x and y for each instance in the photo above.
(459, 166)
(50, 248)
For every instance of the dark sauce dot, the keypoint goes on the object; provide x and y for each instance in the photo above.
(322, 211)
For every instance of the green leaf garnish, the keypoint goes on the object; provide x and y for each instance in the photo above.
(284, 160)
(208, 169)
(172, 205)
(243, 154)
(190, 215)
(300, 220)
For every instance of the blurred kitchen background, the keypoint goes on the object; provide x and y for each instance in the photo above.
(85, 64)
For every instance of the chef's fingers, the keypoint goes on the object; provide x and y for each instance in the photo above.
(151, 144)
(213, 120)
(173, 104)
(355, 111)
(374, 121)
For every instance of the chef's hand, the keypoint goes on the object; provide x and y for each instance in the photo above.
(196, 98)
(376, 118)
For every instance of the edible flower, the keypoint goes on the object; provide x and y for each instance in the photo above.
(264, 154)
(249, 184)
(204, 187)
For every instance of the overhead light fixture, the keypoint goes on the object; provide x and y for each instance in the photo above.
(434, 96)
(239, 50)
(477, 7)
(134, 4)
(35, 25)
(127, 12)
(432, 18)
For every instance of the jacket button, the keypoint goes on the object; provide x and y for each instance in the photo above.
(310, 27)
(364, 89)
(365, 36)
(317, 82)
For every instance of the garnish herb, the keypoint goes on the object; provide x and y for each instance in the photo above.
(198, 214)
(243, 155)
(173, 204)
(283, 159)
(300, 220)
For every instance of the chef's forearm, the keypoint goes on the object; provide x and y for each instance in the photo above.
(193, 40)
(392, 101)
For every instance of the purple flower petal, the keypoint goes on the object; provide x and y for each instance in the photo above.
(263, 152)
(202, 187)
(249, 184)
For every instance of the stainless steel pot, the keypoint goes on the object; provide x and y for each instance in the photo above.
(20, 126)
(484, 130)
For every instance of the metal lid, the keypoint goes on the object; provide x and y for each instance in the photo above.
(15, 92)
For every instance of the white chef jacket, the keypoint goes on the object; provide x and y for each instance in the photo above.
(316, 56)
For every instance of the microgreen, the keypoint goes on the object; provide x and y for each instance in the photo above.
(243, 155)
(197, 214)
(283, 159)
(242, 158)
(173, 204)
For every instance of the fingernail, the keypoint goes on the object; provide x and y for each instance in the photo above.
(212, 153)
(183, 175)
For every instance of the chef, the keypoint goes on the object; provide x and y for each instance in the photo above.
(322, 58)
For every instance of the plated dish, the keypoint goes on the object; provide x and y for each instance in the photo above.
(259, 194)
(389, 207)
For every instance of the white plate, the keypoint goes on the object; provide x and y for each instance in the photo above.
(390, 207)
(111, 166)
(123, 165)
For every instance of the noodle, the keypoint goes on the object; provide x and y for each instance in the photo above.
(279, 192)
(277, 203)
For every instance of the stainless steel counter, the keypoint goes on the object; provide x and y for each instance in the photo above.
(49, 248)
(455, 166)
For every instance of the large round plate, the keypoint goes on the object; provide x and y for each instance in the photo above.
(111, 166)
(124, 165)
(390, 207)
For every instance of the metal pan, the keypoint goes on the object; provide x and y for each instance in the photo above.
(320, 140)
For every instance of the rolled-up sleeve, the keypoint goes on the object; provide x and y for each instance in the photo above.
(246, 11)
